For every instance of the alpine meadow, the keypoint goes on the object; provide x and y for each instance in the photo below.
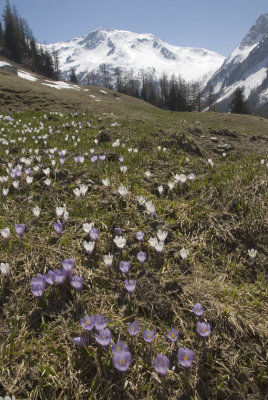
(133, 241)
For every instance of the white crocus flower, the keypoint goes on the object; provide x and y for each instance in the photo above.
(16, 184)
(87, 227)
(5, 268)
(77, 192)
(141, 200)
(89, 246)
(159, 247)
(60, 211)
(5, 192)
(191, 177)
(147, 174)
(252, 253)
(29, 180)
(150, 208)
(47, 181)
(47, 171)
(180, 178)
(123, 169)
(36, 211)
(171, 185)
(184, 253)
(160, 189)
(122, 190)
(152, 241)
(210, 162)
(65, 215)
(108, 259)
(83, 190)
(106, 182)
(5, 233)
(162, 235)
(120, 241)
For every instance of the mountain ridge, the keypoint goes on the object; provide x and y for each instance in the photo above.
(246, 67)
(137, 52)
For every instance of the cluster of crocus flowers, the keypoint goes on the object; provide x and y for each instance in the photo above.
(201, 327)
(103, 334)
(121, 356)
(58, 276)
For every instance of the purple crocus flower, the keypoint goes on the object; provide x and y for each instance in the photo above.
(173, 334)
(141, 256)
(19, 229)
(122, 360)
(38, 285)
(124, 267)
(68, 266)
(203, 329)
(77, 282)
(94, 234)
(100, 322)
(28, 171)
(76, 159)
(102, 157)
(60, 276)
(198, 309)
(185, 357)
(130, 285)
(133, 328)
(119, 346)
(121, 159)
(80, 341)
(87, 322)
(148, 336)
(58, 228)
(50, 277)
(62, 160)
(94, 158)
(103, 337)
(117, 231)
(161, 364)
(140, 236)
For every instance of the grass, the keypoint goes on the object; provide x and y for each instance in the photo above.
(218, 216)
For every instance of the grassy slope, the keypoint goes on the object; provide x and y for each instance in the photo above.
(218, 217)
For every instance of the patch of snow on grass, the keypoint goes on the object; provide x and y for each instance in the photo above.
(61, 85)
(2, 63)
(27, 75)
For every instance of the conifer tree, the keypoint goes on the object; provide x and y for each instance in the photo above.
(73, 77)
(12, 34)
(238, 104)
(1, 36)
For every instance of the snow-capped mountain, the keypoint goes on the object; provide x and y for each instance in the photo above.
(246, 67)
(139, 53)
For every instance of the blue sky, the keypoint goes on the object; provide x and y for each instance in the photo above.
(212, 24)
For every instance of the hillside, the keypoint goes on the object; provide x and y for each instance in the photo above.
(186, 196)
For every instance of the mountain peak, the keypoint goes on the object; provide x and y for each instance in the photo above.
(257, 31)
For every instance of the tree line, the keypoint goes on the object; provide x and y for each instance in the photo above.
(19, 45)
(172, 93)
